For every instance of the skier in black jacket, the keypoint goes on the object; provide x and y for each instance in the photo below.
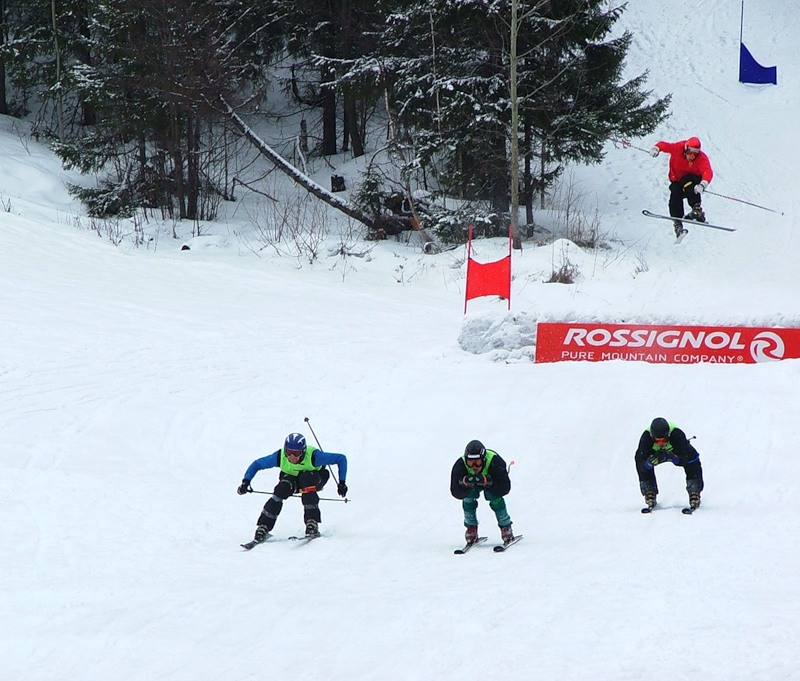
(662, 442)
(481, 470)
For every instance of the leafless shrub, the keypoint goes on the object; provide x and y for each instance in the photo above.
(573, 220)
(296, 227)
(112, 228)
(641, 264)
(565, 274)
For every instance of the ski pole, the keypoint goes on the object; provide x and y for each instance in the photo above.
(755, 205)
(626, 143)
(255, 491)
(316, 439)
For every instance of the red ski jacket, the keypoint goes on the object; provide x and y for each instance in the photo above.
(680, 166)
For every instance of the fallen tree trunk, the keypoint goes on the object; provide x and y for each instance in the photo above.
(303, 180)
(373, 223)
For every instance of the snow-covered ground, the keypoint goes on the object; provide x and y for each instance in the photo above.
(137, 385)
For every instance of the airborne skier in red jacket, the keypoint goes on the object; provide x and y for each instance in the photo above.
(690, 173)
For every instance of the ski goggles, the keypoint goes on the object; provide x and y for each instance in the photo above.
(693, 150)
(661, 441)
(294, 454)
(475, 463)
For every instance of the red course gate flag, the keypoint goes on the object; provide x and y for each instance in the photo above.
(488, 279)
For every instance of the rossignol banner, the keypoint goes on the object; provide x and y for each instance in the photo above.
(559, 342)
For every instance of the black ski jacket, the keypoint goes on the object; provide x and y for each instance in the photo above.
(500, 484)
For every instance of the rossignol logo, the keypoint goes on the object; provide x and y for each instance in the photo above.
(649, 338)
(662, 344)
(767, 347)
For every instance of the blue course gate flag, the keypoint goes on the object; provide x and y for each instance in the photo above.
(750, 71)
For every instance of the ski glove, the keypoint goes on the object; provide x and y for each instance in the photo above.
(244, 488)
(652, 461)
(467, 481)
(655, 151)
(342, 489)
(700, 188)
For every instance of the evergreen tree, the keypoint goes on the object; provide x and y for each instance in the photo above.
(162, 66)
(445, 68)
(323, 37)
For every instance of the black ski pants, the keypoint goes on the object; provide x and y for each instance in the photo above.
(647, 476)
(308, 483)
(683, 189)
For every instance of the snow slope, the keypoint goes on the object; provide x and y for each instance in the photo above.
(137, 386)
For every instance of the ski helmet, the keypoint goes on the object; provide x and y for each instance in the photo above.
(692, 144)
(659, 427)
(295, 442)
(474, 450)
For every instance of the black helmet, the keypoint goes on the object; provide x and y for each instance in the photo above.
(659, 427)
(474, 450)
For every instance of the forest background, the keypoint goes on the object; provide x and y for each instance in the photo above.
(483, 102)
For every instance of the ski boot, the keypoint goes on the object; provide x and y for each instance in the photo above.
(650, 500)
(471, 535)
(506, 534)
(312, 529)
(696, 213)
(261, 534)
(694, 500)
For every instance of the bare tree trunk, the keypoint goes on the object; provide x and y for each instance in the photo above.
(328, 113)
(177, 161)
(515, 235)
(352, 131)
(528, 177)
(3, 41)
(59, 84)
(192, 166)
(303, 180)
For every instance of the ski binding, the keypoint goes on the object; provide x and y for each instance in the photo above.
(469, 545)
(502, 547)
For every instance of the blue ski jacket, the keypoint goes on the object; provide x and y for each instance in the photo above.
(318, 458)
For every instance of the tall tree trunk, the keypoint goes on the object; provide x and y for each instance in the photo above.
(192, 167)
(351, 123)
(3, 40)
(328, 112)
(515, 235)
(499, 180)
(59, 84)
(176, 153)
(88, 111)
(527, 175)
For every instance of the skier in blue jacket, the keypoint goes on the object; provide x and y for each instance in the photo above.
(302, 470)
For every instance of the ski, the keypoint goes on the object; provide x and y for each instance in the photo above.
(685, 511)
(681, 236)
(506, 544)
(305, 539)
(469, 545)
(648, 214)
(252, 544)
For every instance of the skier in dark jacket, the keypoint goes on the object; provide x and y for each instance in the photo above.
(663, 441)
(690, 173)
(302, 470)
(481, 470)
